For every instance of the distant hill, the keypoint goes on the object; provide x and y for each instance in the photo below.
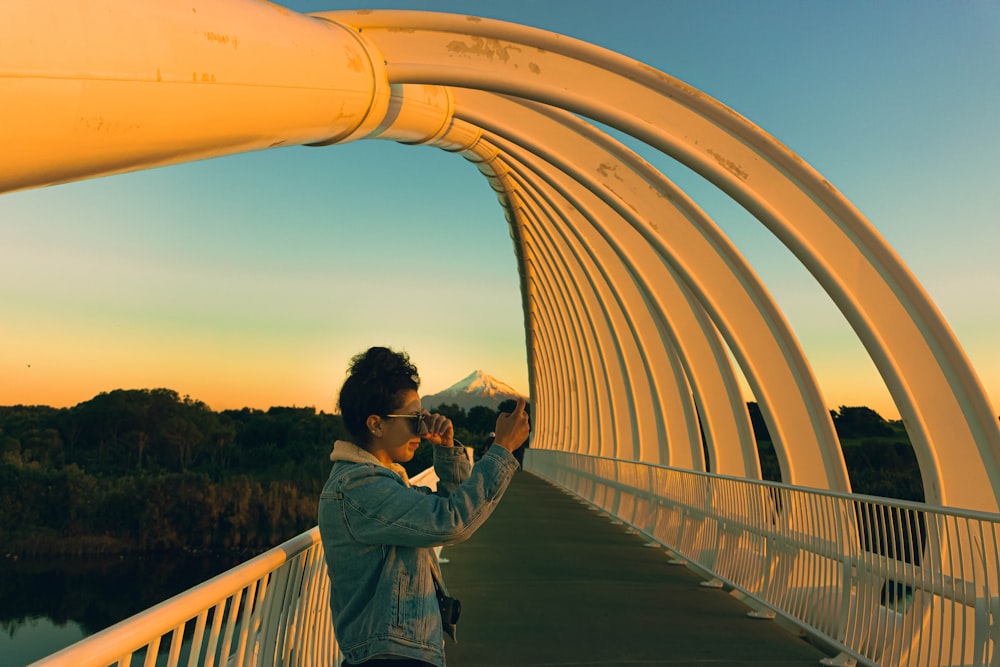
(478, 388)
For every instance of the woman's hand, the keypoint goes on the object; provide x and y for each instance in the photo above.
(512, 428)
(440, 430)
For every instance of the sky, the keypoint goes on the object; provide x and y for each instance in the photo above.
(251, 280)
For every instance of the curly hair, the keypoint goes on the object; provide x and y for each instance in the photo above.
(375, 380)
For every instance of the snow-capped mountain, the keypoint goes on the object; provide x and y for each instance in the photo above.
(478, 388)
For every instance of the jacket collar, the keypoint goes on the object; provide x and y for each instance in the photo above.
(348, 451)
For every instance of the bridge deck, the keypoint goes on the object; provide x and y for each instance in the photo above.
(547, 582)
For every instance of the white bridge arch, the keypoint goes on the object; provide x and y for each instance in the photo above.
(634, 300)
(632, 295)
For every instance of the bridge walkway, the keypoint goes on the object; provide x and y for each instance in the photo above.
(547, 582)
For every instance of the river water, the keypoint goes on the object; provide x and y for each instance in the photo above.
(47, 604)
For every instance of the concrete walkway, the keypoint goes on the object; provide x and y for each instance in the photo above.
(547, 582)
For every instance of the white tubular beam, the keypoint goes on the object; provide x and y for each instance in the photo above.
(423, 115)
(545, 391)
(585, 414)
(106, 86)
(685, 239)
(585, 343)
(594, 306)
(951, 424)
(565, 426)
(635, 237)
(571, 429)
(651, 447)
(578, 403)
(514, 212)
(664, 422)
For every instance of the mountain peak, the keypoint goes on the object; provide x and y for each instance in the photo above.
(477, 388)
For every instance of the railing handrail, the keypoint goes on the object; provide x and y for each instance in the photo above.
(887, 582)
(144, 630)
(106, 646)
(882, 500)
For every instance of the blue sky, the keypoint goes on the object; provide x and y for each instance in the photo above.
(252, 279)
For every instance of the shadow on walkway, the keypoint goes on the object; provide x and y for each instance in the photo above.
(547, 582)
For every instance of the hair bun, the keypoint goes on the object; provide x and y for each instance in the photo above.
(380, 363)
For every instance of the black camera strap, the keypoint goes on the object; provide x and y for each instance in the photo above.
(450, 608)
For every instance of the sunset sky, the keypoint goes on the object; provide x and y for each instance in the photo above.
(251, 280)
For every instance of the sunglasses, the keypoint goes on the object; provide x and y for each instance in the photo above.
(418, 424)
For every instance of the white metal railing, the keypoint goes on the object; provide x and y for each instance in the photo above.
(887, 582)
(273, 610)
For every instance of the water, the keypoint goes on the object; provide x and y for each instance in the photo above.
(30, 639)
(47, 604)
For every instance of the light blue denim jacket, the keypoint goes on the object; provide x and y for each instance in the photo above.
(379, 536)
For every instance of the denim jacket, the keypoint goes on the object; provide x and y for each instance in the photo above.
(379, 536)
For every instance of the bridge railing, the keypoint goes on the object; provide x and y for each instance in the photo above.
(887, 582)
(272, 610)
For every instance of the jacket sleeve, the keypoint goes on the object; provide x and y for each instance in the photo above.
(378, 509)
(452, 466)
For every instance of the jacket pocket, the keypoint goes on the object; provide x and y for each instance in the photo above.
(399, 599)
(408, 600)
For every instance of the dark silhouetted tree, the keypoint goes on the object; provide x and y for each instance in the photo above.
(859, 422)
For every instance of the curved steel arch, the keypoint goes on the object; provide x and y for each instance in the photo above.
(680, 443)
(727, 307)
(340, 76)
(925, 370)
(666, 408)
(644, 428)
(702, 266)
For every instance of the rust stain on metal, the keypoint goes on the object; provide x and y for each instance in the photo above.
(354, 60)
(489, 49)
(222, 39)
(729, 165)
(655, 72)
(680, 89)
(99, 124)
(342, 112)
(609, 170)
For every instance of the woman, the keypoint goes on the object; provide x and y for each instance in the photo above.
(379, 533)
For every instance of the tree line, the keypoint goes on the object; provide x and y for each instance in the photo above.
(877, 453)
(151, 471)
